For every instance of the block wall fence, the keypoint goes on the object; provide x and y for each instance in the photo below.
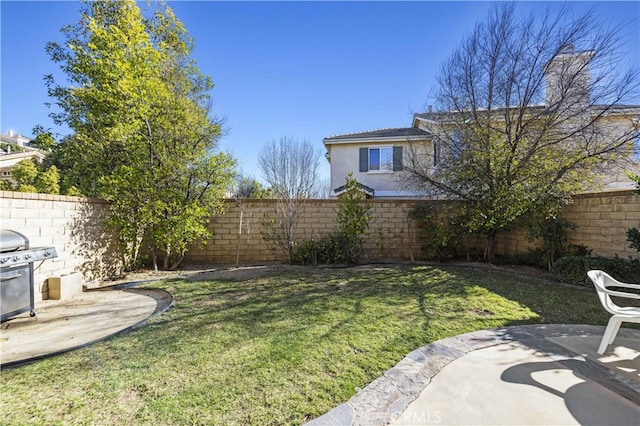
(74, 226)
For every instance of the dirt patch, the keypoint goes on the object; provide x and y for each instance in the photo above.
(201, 273)
(250, 272)
(241, 273)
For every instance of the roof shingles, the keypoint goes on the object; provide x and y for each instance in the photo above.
(382, 133)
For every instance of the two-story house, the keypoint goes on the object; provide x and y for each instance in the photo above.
(376, 157)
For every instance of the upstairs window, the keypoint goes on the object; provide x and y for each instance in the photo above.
(381, 159)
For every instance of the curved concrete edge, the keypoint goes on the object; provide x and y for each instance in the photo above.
(384, 399)
(164, 301)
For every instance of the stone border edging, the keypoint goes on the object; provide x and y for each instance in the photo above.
(384, 399)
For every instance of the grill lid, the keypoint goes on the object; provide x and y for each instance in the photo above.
(12, 241)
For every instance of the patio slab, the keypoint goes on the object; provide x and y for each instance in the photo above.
(64, 325)
(525, 375)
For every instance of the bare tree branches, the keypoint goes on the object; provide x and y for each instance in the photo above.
(529, 111)
(291, 168)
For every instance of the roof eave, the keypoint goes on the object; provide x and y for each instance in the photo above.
(331, 141)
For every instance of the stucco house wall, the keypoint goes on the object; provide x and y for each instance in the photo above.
(346, 159)
(347, 152)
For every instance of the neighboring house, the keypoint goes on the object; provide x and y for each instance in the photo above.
(15, 148)
(14, 138)
(376, 157)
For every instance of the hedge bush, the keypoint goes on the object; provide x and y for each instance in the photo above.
(440, 231)
(573, 269)
(325, 250)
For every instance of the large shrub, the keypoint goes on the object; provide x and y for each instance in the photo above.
(347, 243)
(573, 269)
(553, 232)
(352, 220)
(324, 250)
(439, 230)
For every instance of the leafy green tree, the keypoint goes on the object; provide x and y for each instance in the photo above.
(497, 151)
(440, 229)
(25, 173)
(554, 234)
(31, 177)
(246, 187)
(44, 139)
(48, 181)
(67, 159)
(144, 138)
(352, 219)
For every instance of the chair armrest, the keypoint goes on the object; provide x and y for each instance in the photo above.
(622, 294)
(626, 285)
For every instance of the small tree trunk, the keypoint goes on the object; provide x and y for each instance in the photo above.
(490, 252)
(165, 265)
(177, 263)
(239, 237)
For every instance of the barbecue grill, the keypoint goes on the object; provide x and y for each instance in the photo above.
(16, 273)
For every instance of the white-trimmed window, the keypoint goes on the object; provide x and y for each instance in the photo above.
(381, 159)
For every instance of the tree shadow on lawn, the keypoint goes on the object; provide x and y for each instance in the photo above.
(417, 302)
(299, 342)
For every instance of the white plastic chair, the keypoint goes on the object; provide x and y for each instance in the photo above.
(603, 281)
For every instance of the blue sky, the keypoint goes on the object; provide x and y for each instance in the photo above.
(305, 70)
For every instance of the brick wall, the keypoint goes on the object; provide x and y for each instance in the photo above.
(73, 226)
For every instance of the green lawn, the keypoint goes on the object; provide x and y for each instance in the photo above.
(281, 349)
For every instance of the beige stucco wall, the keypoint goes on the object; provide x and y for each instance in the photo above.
(345, 158)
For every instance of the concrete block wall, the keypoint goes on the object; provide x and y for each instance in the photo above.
(388, 237)
(238, 233)
(74, 226)
(603, 220)
(70, 224)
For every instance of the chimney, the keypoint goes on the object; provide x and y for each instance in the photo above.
(568, 79)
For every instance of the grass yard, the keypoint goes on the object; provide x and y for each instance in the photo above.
(283, 348)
